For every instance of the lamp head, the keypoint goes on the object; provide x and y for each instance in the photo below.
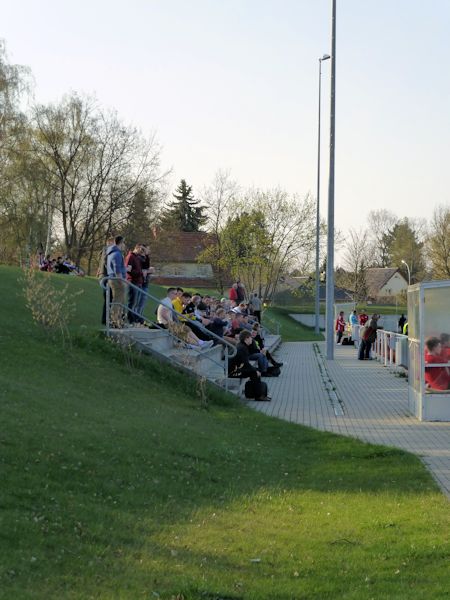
(325, 57)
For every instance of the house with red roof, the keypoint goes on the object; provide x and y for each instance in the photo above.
(175, 255)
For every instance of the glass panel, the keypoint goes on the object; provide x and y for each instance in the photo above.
(413, 314)
(436, 321)
(414, 365)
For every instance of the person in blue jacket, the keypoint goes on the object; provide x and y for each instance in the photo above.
(115, 266)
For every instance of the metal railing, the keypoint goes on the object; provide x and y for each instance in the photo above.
(391, 348)
(274, 325)
(229, 349)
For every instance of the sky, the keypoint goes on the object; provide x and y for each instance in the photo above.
(233, 84)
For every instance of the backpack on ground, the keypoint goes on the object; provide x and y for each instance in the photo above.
(255, 389)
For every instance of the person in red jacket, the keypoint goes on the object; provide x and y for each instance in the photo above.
(340, 326)
(363, 318)
(233, 293)
(133, 264)
(436, 378)
(445, 343)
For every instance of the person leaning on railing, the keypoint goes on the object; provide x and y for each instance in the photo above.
(368, 336)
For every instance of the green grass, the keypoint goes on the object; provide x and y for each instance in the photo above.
(116, 484)
(290, 329)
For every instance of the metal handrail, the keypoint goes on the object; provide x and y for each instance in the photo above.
(179, 316)
(272, 320)
(384, 347)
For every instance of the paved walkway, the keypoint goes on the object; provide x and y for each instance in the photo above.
(358, 399)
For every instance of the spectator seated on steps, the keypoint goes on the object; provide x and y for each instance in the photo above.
(261, 355)
(220, 326)
(239, 365)
(258, 335)
(194, 317)
(436, 378)
(237, 323)
(177, 302)
(166, 320)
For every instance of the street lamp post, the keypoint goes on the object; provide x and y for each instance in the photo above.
(317, 325)
(409, 272)
(330, 224)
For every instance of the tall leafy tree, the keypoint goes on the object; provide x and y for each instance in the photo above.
(185, 214)
(263, 235)
(404, 244)
(381, 224)
(438, 243)
(95, 165)
(18, 218)
(356, 259)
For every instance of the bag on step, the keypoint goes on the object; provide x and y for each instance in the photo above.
(272, 372)
(255, 389)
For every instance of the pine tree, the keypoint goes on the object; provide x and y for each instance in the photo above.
(185, 213)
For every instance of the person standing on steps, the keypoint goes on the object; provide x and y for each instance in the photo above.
(116, 268)
(135, 276)
(256, 304)
(102, 272)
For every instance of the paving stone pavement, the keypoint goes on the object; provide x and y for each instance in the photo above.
(363, 400)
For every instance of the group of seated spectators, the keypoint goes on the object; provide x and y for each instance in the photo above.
(61, 264)
(193, 318)
(437, 359)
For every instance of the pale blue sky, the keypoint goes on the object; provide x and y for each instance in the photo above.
(233, 84)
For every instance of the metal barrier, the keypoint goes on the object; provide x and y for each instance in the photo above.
(391, 348)
(177, 317)
(274, 323)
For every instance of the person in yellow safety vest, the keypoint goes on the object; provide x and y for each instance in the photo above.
(405, 328)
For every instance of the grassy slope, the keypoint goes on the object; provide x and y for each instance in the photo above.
(116, 484)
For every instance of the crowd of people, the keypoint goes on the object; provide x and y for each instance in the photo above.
(61, 264)
(200, 321)
(360, 330)
(364, 333)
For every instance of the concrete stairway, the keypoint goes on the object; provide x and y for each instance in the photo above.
(206, 363)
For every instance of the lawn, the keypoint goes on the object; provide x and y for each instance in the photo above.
(119, 483)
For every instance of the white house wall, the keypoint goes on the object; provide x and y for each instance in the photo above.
(394, 286)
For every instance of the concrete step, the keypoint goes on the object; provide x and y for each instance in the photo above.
(206, 363)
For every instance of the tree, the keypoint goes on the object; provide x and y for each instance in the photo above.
(381, 224)
(141, 217)
(186, 214)
(218, 199)
(356, 259)
(438, 243)
(404, 244)
(17, 225)
(95, 166)
(265, 236)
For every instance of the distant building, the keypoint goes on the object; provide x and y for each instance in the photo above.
(175, 256)
(384, 283)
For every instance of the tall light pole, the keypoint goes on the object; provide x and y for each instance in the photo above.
(409, 272)
(330, 236)
(317, 325)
